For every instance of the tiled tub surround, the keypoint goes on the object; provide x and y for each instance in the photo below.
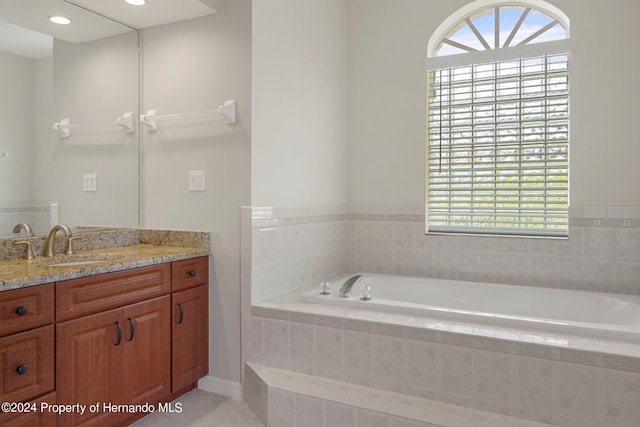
(289, 253)
(525, 374)
(291, 248)
(571, 381)
(289, 399)
(601, 257)
(36, 214)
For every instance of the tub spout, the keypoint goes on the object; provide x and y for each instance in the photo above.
(345, 289)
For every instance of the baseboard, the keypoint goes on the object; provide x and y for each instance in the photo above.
(217, 385)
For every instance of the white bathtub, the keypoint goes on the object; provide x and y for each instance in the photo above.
(593, 314)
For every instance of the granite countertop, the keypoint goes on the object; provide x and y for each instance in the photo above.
(16, 274)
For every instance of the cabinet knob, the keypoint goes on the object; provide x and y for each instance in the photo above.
(22, 310)
(192, 273)
(22, 369)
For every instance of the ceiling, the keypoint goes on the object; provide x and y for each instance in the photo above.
(24, 42)
(22, 20)
(155, 12)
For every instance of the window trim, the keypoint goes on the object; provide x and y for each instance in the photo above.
(433, 62)
(479, 5)
(514, 52)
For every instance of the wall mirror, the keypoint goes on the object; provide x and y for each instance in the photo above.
(83, 80)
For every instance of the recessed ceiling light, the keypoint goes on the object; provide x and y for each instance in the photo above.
(136, 2)
(60, 20)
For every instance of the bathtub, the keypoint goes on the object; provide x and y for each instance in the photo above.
(592, 314)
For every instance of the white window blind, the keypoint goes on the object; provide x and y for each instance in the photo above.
(498, 147)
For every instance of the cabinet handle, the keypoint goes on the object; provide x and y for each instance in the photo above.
(192, 273)
(132, 328)
(119, 329)
(22, 369)
(180, 313)
(22, 310)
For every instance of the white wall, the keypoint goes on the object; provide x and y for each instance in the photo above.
(386, 97)
(44, 136)
(605, 136)
(16, 126)
(299, 103)
(94, 83)
(192, 66)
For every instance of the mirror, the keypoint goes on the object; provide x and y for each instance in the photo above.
(85, 173)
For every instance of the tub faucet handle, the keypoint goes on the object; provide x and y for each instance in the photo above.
(325, 288)
(366, 293)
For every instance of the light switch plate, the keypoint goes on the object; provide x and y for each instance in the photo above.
(89, 182)
(197, 181)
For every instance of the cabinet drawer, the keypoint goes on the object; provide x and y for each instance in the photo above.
(27, 364)
(189, 273)
(32, 419)
(88, 295)
(26, 308)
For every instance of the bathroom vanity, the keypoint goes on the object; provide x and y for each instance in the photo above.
(110, 333)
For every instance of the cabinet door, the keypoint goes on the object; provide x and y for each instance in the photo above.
(146, 359)
(31, 419)
(88, 360)
(26, 364)
(190, 336)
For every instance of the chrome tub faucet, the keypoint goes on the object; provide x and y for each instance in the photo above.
(345, 289)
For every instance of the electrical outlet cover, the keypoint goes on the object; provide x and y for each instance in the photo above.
(197, 181)
(89, 182)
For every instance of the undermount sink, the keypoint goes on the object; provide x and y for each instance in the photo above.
(73, 260)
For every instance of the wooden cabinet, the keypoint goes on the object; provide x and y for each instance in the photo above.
(87, 352)
(33, 418)
(189, 273)
(120, 341)
(190, 346)
(87, 295)
(27, 353)
(26, 364)
(22, 309)
(132, 337)
(120, 356)
(190, 322)
(146, 364)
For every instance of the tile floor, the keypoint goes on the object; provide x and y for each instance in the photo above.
(203, 409)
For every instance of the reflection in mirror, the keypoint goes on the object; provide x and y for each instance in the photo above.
(86, 72)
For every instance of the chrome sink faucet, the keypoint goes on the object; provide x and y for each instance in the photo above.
(49, 243)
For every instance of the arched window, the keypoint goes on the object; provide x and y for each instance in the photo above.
(498, 120)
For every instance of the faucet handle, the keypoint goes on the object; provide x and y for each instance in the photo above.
(70, 249)
(30, 254)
